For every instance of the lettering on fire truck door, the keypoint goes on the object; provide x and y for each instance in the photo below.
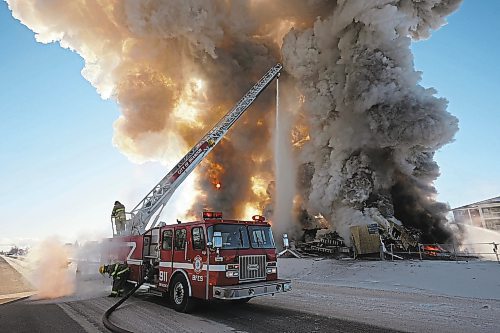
(166, 257)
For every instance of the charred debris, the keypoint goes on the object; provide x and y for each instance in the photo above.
(377, 241)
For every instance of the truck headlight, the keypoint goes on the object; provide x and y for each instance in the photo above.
(232, 266)
(271, 270)
(231, 274)
(287, 287)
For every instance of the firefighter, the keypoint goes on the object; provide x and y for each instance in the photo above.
(119, 272)
(118, 214)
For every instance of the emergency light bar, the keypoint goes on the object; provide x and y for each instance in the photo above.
(259, 218)
(212, 215)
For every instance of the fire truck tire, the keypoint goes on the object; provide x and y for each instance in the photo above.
(179, 295)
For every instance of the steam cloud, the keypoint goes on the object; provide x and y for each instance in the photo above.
(175, 68)
(52, 278)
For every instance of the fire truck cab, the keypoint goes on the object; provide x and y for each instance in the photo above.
(208, 259)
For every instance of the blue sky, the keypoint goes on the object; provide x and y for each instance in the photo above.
(60, 174)
(461, 61)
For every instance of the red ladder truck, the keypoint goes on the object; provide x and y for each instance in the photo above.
(208, 259)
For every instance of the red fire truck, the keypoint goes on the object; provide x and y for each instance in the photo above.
(207, 259)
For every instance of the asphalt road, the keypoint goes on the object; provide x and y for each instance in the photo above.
(253, 317)
(22, 316)
(145, 313)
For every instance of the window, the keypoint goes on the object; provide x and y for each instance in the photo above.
(167, 240)
(474, 212)
(493, 224)
(495, 211)
(261, 237)
(180, 239)
(198, 238)
(234, 236)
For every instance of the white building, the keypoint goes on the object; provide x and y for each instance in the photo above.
(485, 214)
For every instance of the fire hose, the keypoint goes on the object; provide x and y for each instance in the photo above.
(105, 318)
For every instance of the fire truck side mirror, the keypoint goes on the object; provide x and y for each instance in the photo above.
(217, 240)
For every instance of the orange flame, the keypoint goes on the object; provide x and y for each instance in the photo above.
(215, 171)
(433, 250)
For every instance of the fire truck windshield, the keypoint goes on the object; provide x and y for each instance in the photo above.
(261, 237)
(236, 236)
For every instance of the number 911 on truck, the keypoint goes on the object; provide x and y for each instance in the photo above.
(208, 259)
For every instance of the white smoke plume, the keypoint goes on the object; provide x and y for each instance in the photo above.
(67, 271)
(175, 67)
(373, 128)
(51, 275)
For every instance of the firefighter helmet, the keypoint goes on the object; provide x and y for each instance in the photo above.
(102, 269)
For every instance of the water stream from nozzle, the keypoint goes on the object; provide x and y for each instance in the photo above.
(284, 172)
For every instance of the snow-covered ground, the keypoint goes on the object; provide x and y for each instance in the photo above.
(413, 296)
(477, 279)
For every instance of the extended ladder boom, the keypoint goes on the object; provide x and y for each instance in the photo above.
(161, 193)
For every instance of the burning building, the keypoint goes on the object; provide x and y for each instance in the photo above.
(360, 132)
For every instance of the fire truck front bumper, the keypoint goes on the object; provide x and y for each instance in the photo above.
(252, 289)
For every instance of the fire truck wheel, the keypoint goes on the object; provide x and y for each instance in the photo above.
(179, 295)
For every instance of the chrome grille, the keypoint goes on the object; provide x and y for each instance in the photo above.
(252, 267)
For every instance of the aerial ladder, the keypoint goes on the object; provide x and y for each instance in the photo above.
(158, 197)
